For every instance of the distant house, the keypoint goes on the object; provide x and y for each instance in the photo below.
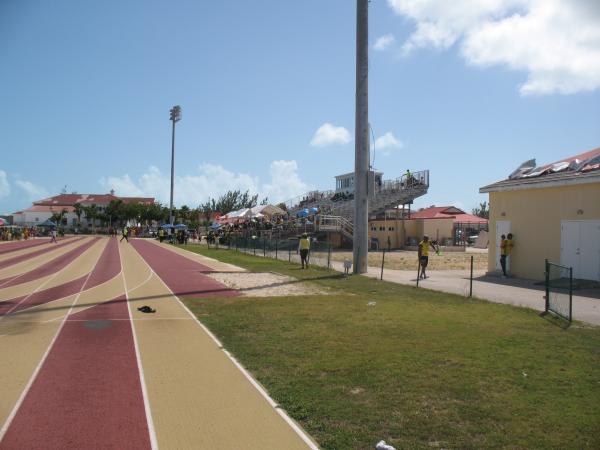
(553, 211)
(42, 210)
(446, 224)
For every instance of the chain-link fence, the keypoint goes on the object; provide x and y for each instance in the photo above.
(559, 290)
(282, 249)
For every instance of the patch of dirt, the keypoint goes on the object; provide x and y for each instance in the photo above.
(265, 284)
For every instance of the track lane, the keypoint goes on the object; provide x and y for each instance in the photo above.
(35, 252)
(12, 272)
(108, 267)
(14, 246)
(183, 276)
(52, 266)
(87, 393)
(208, 402)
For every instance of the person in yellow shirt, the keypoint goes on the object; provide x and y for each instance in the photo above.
(424, 254)
(304, 247)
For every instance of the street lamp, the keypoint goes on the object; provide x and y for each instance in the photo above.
(175, 117)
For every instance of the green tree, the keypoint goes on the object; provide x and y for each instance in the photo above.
(92, 213)
(78, 209)
(483, 210)
(230, 201)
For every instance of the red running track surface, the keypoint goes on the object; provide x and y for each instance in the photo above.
(87, 394)
(46, 249)
(20, 245)
(50, 267)
(108, 267)
(183, 276)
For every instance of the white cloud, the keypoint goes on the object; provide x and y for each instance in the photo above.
(4, 185)
(211, 181)
(556, 42)
(384, 42)
(329, 134)
(33, 191)
(386, 142)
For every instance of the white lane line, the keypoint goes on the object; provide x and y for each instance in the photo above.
(149, 421)
(48, 281)
(25, 273)
(299, 431)
(96, 304)
(13, 413)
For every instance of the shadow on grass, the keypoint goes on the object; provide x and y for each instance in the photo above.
(555, 320)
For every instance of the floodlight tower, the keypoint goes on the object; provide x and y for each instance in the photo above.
(175, 117)
(361, 141)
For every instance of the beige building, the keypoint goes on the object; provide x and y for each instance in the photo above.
(553, 212)
(447, 225)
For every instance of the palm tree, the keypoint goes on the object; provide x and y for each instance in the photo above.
(91, 212)
(78, 209)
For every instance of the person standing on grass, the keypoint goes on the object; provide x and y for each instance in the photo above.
(304, 247)
(424, 254)
(125, 233)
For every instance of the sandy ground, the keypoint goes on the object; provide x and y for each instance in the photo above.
(407, 260)
(265, 284)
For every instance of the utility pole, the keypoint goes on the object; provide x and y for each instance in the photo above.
(175, 117)
(361, 141)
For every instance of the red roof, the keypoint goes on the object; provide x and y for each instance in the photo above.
(88, 199)
(48, 208)
(447, 212)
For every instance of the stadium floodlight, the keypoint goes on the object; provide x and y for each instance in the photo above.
(175, 117)
(175, 113)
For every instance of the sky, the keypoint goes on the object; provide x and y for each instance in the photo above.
(466, 89)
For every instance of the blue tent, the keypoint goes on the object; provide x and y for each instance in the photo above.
(314, 210)
(180, 226)
(166, 225)
(215, 225)
(302, 213)
(48, 223)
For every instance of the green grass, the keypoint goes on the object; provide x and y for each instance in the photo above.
(419, 369)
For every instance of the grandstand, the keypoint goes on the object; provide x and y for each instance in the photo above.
(336, 208)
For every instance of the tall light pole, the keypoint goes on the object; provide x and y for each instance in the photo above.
(361, 141)
(175, 117)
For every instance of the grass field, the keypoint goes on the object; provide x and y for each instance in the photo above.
(407, 260)
(418, 368)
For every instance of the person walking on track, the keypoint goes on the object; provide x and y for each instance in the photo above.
(125, 233)
(304, 247)
(53, 236)
(424, 254)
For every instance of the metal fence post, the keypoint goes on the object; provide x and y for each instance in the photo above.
(254, 239)
(290, 254)
(382, 263)
(471, 279)
(547, 268)
(264, 248)
(570, 294)
(418, 273)
(276, 248)
(329, 255)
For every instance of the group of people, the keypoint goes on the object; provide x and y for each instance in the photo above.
(17, 233)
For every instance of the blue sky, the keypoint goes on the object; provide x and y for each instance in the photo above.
(466, 92)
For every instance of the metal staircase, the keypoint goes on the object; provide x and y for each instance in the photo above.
(339, 215)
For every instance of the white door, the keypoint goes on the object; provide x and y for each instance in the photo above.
(580, 248)
(502, 228)
(570, 252)
(589, 268)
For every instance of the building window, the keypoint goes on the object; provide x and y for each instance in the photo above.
(37, 219)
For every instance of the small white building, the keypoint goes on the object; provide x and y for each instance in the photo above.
(345, 183)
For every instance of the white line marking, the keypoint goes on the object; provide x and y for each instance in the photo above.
(150, 422)
(13, 413)
(48, 281)
(303, 435)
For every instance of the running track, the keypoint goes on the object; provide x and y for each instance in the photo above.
(83, 374)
